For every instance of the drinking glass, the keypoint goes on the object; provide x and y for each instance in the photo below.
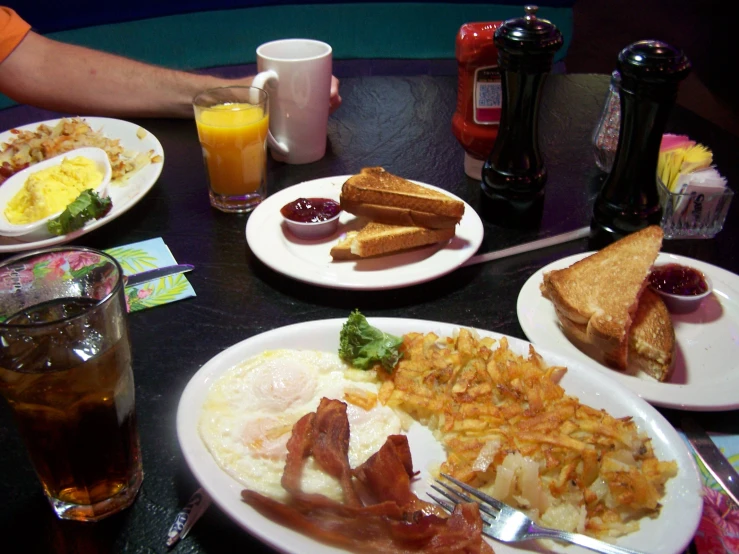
(232, 127)
(65, 370)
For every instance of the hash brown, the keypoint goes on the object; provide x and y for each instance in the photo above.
(28, 147)
(510, 429)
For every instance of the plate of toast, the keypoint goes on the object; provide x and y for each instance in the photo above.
(392, 233)
(597, 307)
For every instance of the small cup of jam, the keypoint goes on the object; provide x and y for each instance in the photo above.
(682, 288)
(311, 218)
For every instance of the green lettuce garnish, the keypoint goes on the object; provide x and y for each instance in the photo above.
(363, 346)
(87, 206)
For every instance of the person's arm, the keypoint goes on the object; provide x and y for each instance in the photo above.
(73, 79)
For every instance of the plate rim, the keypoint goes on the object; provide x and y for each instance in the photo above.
(193, 448)
(146, 186)
(471, 221)
(679, 396)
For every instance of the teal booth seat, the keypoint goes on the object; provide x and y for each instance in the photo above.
(197, 34)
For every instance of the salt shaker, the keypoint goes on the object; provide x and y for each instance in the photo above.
(650, 73)
(514, 170)
(605, 135)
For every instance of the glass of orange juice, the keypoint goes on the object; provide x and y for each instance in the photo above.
(232, 127)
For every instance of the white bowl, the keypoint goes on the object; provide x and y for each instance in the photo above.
(14, 184)
(684, 303)
(313, 229)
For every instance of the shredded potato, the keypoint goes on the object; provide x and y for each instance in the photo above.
(509, 429)
(29, 147)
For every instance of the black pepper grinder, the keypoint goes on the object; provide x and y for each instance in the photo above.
(629, 199)
(514, 171)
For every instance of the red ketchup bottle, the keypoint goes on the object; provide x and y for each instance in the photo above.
(479, 95)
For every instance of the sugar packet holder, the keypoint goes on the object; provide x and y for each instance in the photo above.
(699, 207)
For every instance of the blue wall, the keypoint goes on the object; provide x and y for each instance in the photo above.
(200, 39)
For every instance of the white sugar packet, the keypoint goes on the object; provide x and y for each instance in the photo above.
(700, 198)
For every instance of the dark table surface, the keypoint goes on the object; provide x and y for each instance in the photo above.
(400, 123)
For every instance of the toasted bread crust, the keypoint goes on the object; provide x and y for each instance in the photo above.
(377, 187)
(601, 292)
(376, 239)
(652, 337)
(651, 341)
(613, 355)
(398, 216)
(342, 250)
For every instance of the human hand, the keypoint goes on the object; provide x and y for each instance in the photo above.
(335, 99)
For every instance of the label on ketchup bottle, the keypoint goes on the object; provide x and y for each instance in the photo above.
(488, 96)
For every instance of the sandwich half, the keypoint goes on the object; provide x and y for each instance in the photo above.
(377, 239)
(596, 299)
(387, 198)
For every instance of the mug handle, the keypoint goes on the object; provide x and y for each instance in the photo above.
(260, 80)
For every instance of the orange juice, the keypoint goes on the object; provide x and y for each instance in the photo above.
(233, 139)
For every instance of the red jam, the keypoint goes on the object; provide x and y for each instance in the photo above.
(311, 210)
(678, 279)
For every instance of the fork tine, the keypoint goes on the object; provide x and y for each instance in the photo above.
(443, 503)
(481, 496)
(449, 495)
(487, 517)
(486, 529)
(457, 496)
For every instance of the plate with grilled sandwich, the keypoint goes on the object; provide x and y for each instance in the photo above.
(392, 233)
(598, 307)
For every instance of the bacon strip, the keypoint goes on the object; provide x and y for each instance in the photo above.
(386, 476)
(393, 519)
(298, 449)
(331, 445)
(360, 530)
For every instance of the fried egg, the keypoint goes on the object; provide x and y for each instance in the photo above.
(248, 415)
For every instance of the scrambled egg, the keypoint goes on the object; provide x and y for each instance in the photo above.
(51, 190)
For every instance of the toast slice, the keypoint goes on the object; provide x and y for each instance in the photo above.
(652, 337)
(377, 239)
(387, 198)
(598, 296)
(342, 250)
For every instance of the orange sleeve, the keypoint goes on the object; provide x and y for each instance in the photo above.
(12, 31)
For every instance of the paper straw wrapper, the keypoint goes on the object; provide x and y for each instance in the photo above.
(184, 521)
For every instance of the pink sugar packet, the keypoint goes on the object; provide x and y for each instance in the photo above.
(671, 142)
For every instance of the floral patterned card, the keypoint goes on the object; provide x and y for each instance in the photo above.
(145, 255)
(718, 531)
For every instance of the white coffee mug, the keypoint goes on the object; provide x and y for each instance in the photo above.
(297, 75)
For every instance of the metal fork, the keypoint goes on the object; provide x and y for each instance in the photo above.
(506, 524)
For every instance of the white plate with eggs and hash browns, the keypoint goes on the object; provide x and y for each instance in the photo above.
(215, 397)
(310, 261)
(136, 157)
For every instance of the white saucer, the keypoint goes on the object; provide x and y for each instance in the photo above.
(310, 260)
(706, 372)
